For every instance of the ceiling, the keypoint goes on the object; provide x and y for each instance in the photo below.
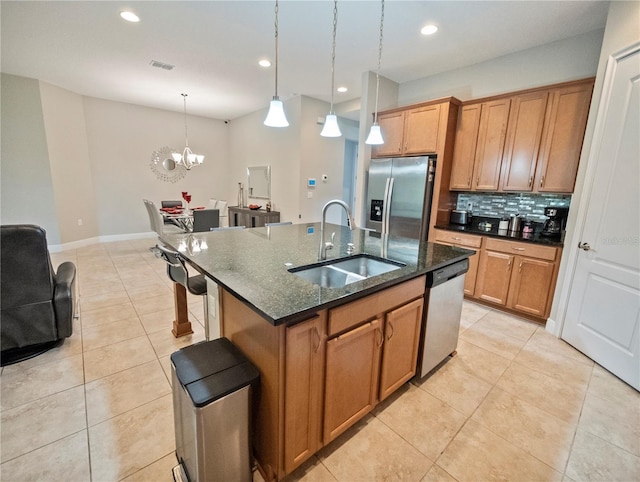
(215, 46)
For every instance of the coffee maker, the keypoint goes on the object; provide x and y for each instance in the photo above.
(554, 226)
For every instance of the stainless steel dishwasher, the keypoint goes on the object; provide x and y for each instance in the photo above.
(441, 323)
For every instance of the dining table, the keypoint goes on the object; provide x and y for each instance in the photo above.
(183, 218)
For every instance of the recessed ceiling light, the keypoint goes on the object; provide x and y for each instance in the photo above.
(429, 29)
(264, 63)
(129, 16)
(342, 89)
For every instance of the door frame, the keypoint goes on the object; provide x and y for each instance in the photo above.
(588, 165)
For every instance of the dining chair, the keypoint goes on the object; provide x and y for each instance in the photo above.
(224, 215)
(178, 273)
(213, 203)
(152, 218)
(170, 204)
(205, 220)
(157, 221)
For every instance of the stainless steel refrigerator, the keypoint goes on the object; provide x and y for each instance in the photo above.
(399, 193)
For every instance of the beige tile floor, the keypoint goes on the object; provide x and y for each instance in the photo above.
(515, 404)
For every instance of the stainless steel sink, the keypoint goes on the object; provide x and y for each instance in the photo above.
(341, 272)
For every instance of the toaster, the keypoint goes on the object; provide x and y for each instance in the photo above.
(460, 217)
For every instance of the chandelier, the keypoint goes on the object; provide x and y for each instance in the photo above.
(187, 159)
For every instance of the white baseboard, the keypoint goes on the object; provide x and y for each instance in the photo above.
(552, 327)
(57, 248)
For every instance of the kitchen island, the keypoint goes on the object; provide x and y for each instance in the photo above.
(326, 356)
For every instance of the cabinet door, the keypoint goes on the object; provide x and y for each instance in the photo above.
(472, 274)
(530, 285)
(465, 147)
(351, 382)
(490, 146)
(494, 272)
(400, 349)
(562, 138)
(421, 130)
(304, 375)
(392, 128)
(526, 118)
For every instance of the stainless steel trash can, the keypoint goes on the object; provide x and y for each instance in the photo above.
(212, 385)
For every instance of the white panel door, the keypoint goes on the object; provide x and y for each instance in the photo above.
(603, 311)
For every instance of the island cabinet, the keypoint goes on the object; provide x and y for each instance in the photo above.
(321, 375)
(518, 276)
(464, 241)
(409, 132)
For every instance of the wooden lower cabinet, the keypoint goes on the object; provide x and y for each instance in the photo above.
(531, 281)
(494, 276)
(518, 276)
(351, 389)
(400, 349)
(468, 241)
(303, 398)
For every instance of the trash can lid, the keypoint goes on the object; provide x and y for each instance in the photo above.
(219, 385)
(210, 370)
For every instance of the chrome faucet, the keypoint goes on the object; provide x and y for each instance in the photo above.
(322, 250)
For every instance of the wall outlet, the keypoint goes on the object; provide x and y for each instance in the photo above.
(470, 206)
(79, 222)
(309, 194)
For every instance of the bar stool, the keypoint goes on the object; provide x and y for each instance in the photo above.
(178, 273)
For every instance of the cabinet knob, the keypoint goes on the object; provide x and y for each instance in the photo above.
(380, 336)
(469, 181)
(520, 267)
(518, 249)
(316, 340)
(541, 181)
(508, 265)
(530, 180)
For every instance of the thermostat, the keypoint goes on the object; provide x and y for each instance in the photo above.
(311, 182)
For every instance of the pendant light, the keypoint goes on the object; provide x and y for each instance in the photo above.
(188, 159)
(375, 136)
(331, 128)
(275, 116)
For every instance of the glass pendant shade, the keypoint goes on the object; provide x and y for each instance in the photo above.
(375, 136)
(331, 128)
(275, 116)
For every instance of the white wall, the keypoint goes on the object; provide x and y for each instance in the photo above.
(73, 188)
(569, 59)
(26, 183)
(121, 139)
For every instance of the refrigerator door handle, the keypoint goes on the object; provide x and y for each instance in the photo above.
(384, 227)
(388, 193)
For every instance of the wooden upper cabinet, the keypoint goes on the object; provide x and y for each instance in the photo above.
(491, 137)
(465, 147)
(392, 128)
(562, 138)
(421, 130)
(524, 132)
(409, 132)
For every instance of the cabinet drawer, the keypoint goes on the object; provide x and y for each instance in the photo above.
(347, 316)
(522, 249)
(465, 240)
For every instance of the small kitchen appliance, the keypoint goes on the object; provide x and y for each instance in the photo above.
(555, 225)
(460, 217)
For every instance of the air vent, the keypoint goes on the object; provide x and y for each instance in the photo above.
(161, 65)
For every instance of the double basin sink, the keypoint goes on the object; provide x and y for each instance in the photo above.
(341, 272)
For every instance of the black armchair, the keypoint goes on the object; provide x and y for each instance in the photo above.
(37, 304)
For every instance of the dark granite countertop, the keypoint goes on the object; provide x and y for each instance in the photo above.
(473, 228)
(253, 265)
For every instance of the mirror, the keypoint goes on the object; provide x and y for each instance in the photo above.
(164, 167)
(259, 182)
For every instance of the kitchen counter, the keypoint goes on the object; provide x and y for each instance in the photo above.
(253, 265)
(473, 228)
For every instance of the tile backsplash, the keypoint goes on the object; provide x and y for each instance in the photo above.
(504, 204)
